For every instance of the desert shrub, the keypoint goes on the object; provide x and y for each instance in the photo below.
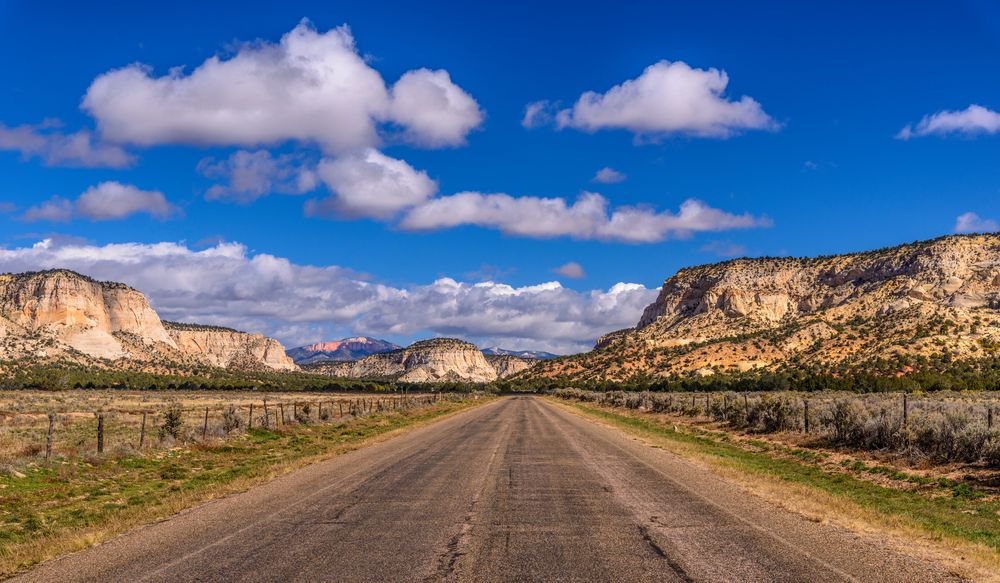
(846, 422)
(324, 414)
(660, 403)
(302, 414)
(231, 419)
(32, 450)
(883, 430)
(173, 422)
(948, 436)
(771, 414)
(718, 410)
(991, 449)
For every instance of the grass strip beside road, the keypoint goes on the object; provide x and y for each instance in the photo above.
(68, 505)
(964, 528)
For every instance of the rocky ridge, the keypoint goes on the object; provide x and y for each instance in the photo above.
(427, 361)
(928, 301)
(62, 315)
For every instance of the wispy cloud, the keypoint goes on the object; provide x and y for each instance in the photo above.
(970, 121)
(56, 148)
(589, 217)
(608, 175)
(251, 175)
(972, 223)
(724, 249)
(106, 201)
(572, 270)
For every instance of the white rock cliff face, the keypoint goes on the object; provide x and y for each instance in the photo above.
(79, 312)
(231, 349)
(60, 312)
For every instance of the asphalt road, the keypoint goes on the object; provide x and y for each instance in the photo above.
(516, 490)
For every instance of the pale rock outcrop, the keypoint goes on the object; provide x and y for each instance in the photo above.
(426, 361)
(507, 365)
(227, 348)
(79, 312)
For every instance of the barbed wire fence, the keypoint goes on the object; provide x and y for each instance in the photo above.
(66, 433)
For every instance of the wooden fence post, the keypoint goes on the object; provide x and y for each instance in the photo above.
(142, 431)
(805, 414)
(267, 417)
(100, 433)
(906, 411)
(340, 406)
(989, 418)
(281, 409)
(295, 411)
(250, 419)
(48, 435)
(204, 428)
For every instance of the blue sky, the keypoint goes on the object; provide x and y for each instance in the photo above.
(812, 164)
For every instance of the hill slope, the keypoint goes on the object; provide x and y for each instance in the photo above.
(893, 309)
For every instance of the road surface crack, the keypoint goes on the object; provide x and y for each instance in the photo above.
(673, 564)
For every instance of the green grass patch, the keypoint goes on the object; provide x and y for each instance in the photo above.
(70, 503)
(964, 515)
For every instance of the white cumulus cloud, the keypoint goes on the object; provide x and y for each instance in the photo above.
(311, 87)
(370, 184)
(586, 218)
(972, 120)
(106, 201)
(668, 98)
(435, 111)
(972, 223)
(56, 148)
(226, 285)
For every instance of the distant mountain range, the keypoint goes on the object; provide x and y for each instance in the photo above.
(359, 347)
(344, 350)
(529, 354)
(430, 361)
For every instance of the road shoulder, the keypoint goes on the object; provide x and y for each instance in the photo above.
(800, 489)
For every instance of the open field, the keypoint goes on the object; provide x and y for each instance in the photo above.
(79, 497)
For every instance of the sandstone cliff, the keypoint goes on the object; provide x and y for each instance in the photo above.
(507, 365)
(61, 314)
(228, 348)
(78, 312)
(427, 361)
(929, 300)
